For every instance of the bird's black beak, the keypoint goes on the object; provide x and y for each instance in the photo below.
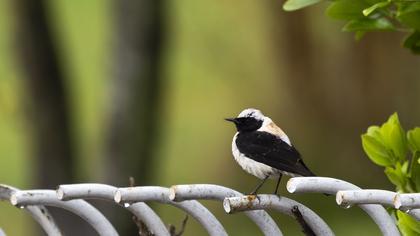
(234, 120)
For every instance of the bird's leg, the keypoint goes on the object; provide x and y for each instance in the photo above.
(258, 186)
(278, 183)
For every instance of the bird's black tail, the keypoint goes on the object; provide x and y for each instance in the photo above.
(305, 171)
(308, 173)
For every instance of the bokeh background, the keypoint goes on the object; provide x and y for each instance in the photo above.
(97, 91)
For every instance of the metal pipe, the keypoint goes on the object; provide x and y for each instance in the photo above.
(86, 191)
(331, 186)
(279, 203)
(106, 192)
(39, 213)
(161, 194)
(405, 201)
(348, 198)
(79, 207)
(219, 193)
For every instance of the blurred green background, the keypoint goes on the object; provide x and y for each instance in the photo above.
(215, 59)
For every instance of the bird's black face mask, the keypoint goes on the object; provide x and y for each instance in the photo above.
(246, 124)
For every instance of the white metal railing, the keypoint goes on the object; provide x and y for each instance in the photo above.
(72, 198)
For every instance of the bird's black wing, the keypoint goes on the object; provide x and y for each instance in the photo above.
(266, 148)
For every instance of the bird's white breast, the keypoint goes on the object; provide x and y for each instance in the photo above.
(255, 168)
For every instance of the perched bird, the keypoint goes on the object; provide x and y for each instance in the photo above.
(262, 149)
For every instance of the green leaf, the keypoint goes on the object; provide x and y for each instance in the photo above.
(375, 131)
(415, 171)
(292, 5)
(407, 223)
(410, 16)
(413, 137)
(394, 137)
(396, 176)
(412, 42)
(369, 10)
(405, 230)
(368, 24)
(376, 151)
(346, 9)
(404, 167)
(405, 6)
(409, 7)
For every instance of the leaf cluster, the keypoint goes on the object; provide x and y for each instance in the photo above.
(363, 16)
(398, 152)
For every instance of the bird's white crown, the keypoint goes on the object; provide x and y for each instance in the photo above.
(251, 112)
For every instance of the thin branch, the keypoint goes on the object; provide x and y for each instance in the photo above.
(172, 228)
(306, 229)
(143, 229)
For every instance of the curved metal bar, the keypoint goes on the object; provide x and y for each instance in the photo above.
(348, 198)
(415, 213)
(331, 186)
(39, 213)
(406, 201)
(79, 207)
(279, 203)
(106, 192)
(161, 194)
(219, 193)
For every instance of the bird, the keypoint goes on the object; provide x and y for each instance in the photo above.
(264, 150)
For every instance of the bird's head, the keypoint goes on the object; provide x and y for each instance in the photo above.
(248, 120)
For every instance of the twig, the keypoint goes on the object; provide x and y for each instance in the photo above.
(131, 181)
(299, 218)
(172, 228)
(142, 227)
(143, 230)
(184, 224)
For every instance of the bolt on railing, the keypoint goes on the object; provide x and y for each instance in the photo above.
(71, 198)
